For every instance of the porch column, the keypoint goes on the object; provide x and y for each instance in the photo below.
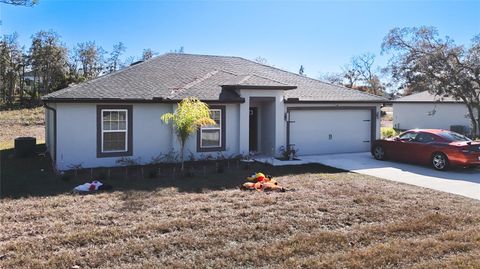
(280, 127)
(244, 141)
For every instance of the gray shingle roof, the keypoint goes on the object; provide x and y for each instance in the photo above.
(176, 76)
(425, 96)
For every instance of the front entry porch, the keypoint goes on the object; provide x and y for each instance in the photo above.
(262, 126)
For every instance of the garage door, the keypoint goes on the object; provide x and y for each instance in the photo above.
(330, 131)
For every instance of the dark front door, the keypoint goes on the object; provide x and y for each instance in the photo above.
(253, 129)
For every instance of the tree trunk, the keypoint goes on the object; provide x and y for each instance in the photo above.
(478, 120)
(182, 145)
(472, 119)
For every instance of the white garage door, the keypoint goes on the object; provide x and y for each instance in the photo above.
(330, 131)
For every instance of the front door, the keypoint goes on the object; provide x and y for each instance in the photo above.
(253, 134)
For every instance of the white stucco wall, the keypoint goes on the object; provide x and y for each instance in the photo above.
(231, 136)
(411, 116)
(77, 135)
(77, 130)
(49, 130)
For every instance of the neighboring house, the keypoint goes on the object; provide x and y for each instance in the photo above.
(425, 110)
(258, 108)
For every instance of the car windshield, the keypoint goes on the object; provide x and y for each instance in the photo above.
(451, 136)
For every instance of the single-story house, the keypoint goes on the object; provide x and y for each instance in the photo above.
(258, 108)
(426, 110)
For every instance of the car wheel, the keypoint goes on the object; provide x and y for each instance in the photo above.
(379, 153)
(439, 161)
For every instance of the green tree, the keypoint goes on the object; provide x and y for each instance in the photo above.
(421, 60)
(190, 115)
(49, 62)
(12, 63)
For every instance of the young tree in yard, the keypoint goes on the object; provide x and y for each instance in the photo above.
(190, 115)
(423, 61)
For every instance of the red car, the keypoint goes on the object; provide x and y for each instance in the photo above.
(439, 148)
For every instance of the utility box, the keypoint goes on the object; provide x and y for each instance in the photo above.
(25, 146)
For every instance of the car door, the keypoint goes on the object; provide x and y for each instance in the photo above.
(423, 148)
(402, 146)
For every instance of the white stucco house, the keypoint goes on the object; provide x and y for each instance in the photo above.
(426, 110)
(257, 108)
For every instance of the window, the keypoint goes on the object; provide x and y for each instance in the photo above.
(408, 136)
(212, 137)
(114, 131)
(452, 136)
(424, 138)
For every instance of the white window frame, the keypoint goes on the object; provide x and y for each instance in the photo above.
(218, 127)
(115, 131)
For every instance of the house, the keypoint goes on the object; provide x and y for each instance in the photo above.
(426, 110)
(257, 108)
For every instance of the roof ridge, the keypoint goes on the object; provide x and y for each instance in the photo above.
(201, 55)
(264, 77)
(196, 81)
(316, 80)
(245, 78)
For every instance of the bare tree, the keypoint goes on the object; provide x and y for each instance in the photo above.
(261, 60)
(91, 59)
(351, 75)
(301, 71)
(114, 62)
(147, 54)
(333, 78)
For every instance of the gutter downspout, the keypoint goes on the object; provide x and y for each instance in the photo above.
(54, 157)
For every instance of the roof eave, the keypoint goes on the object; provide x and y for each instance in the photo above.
(133, 100)
(296, 101)
(259, 87)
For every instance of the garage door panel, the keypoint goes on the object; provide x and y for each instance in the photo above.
(330, 131)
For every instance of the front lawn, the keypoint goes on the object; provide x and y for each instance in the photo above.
(333, 219)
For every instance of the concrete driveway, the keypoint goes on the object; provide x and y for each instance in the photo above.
(457, 181)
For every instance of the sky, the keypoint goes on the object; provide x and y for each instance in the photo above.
(320, 35)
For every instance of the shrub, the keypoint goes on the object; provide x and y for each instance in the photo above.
(288, 153)
(388, 132)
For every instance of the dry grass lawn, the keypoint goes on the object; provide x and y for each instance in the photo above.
(331, 220)
(21, 122)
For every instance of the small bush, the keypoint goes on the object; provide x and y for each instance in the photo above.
(388, 132)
